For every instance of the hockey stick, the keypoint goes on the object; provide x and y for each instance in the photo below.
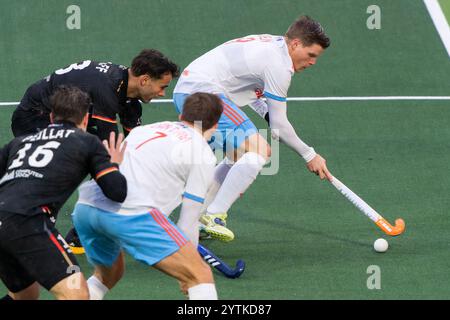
(218, 264)
(382, 223)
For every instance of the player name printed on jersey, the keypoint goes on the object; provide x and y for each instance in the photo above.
(26, 173)
(44, 135)
(170, 129)
(49, 134)
(198, 152)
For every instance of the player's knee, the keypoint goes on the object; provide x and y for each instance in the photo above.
(203, 274)
(30, 293)
(198, 272)
(257, 144)
(264, 150)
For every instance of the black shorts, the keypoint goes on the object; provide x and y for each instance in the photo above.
(31, 249)
(28, 121)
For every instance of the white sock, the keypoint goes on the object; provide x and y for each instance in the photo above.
(203, 291)
(220, 174)
(97, 289)
(238, 179)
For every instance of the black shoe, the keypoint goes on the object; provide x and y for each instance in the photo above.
(74, 242)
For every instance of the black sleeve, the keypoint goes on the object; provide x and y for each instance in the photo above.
(104, 128)
(114, 186)
(106, 173)
(4, 155)
(131, 117)
(104, 110)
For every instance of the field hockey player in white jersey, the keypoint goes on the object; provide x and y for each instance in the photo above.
(166, 164)
(241, 72)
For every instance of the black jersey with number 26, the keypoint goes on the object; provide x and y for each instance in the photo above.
(39, 172)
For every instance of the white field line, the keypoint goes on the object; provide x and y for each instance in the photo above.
(376, 98)
(440, 22)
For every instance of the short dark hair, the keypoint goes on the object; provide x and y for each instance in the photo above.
(153, 63)
(204, 107)
(308, 31)
(69, 103)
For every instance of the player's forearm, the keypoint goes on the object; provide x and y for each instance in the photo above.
(288, 136)
(282, 128)
(114, 186)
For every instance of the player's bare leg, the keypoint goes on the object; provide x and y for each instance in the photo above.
(109, 276)
(105, 278)
(194, 275)
(74, 287)
(185, 265)
(30, 293)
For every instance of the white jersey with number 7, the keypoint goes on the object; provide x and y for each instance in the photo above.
(163, 163)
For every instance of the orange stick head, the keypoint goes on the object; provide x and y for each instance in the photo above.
(389, 229)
